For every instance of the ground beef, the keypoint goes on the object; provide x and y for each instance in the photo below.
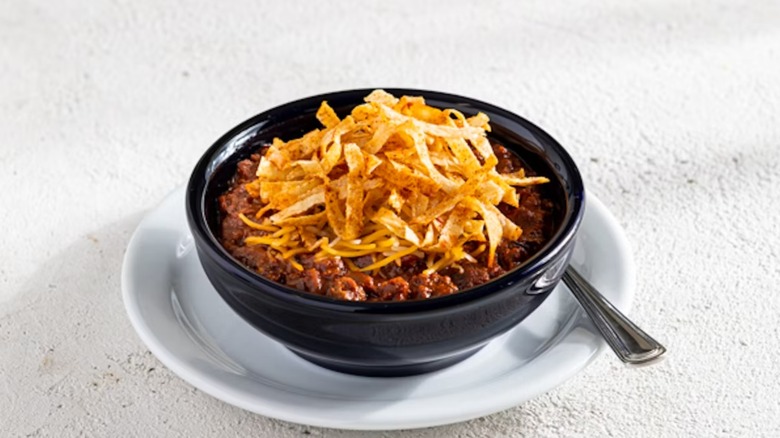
(433, 285)
(345, 288)
(394, 289)
(394, 282)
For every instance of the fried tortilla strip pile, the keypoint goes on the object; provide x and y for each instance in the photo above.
(395, 177)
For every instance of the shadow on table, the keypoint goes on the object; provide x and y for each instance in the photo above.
(65, 334)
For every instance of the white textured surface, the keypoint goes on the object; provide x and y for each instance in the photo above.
(670, 108)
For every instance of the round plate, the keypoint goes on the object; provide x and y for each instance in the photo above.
(185, 323)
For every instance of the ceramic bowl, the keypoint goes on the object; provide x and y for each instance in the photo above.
(383, 338)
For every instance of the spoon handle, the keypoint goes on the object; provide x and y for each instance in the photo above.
(631, 344)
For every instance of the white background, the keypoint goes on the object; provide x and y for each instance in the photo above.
(669, 108)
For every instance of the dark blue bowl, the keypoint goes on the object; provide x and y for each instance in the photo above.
(382, 338)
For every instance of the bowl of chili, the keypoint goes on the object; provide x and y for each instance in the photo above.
(398, 319)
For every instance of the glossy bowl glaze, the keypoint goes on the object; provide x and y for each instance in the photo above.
(382, 338)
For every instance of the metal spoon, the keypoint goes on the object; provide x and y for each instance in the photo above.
(631, 344)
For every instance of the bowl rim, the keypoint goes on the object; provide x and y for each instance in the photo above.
(195, 202)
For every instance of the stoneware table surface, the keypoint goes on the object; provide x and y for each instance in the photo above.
(669, 108)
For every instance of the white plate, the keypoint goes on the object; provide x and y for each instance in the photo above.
(185, 323)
